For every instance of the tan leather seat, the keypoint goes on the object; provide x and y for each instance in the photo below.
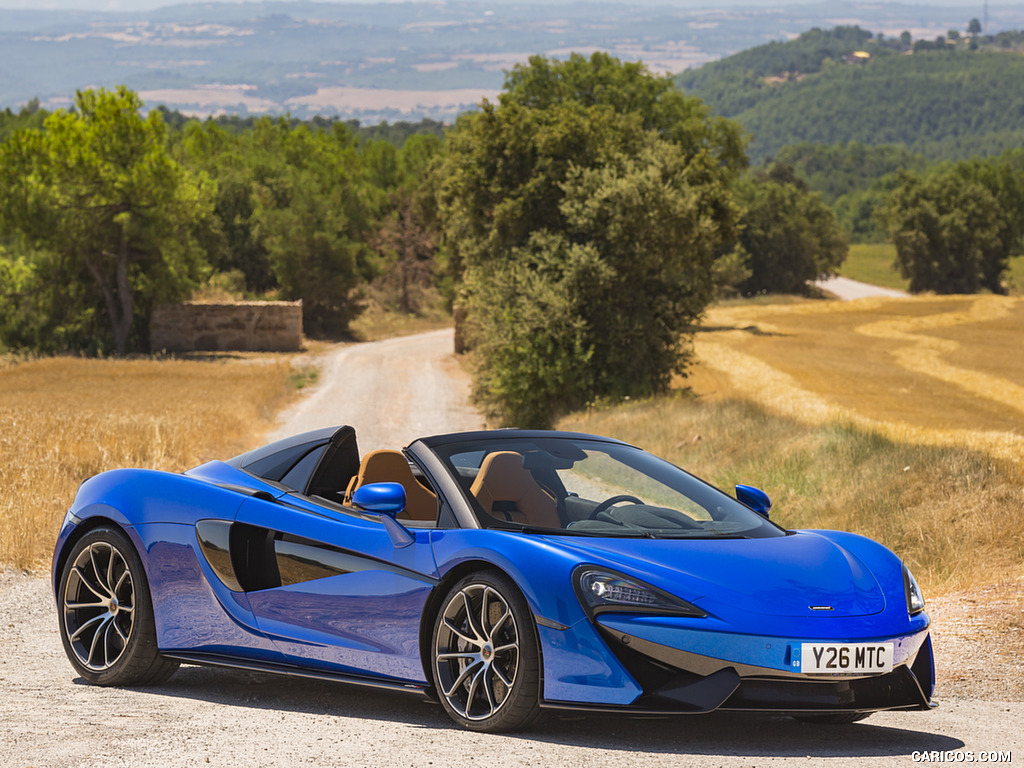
(506, 489)
(392, 467)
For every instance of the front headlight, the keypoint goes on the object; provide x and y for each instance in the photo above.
(602, 590)
(915, 597)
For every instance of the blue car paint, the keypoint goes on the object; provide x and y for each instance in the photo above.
(758, 593)
(135, 497)
(221, 473)
(778, 577)
(200, 613)
(304, 618)
(380, 498)
(761, 576)
(580, 668)
(335, 624)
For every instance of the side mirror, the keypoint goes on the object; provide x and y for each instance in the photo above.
(386, 500)
(754, 498)
(380, 498)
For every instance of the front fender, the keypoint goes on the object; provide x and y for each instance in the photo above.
(578, 666)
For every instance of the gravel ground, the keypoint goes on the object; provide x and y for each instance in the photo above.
(391, 391)
(205, 716)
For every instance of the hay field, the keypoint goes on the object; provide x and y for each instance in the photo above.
(900, 419)
(64, 419)
(940, 371)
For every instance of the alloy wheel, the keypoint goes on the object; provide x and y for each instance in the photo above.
(99, 606)
(476, 653)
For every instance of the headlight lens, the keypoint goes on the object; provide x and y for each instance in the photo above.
(601, 590)
(915, 597)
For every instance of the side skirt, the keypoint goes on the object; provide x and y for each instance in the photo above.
(215, 660)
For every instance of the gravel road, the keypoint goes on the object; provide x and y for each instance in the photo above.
(392, 392)
(848, 290)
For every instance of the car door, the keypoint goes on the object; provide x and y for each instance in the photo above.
(329, 586)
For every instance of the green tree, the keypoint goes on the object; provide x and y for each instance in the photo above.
(955, 228)
(583, 213)
(238, 167)
(296, 206)
(861, 213)
(789, 235)
(314, 218)
(407, 232)
(20, 300)
(98, 191)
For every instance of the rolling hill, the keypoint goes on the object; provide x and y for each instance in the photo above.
(399, 60)
(945, 103)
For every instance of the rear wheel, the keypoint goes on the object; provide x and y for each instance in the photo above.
(485, 659)
(106, 615)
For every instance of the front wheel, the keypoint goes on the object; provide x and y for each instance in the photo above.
(485, 659)
(106, 615)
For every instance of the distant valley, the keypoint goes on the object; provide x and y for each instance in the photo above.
(389, 61)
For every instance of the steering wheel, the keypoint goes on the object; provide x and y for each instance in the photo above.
(610, 502)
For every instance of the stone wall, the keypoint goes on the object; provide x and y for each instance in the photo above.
(261, 326)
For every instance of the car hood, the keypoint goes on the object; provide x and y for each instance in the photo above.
(801, 574)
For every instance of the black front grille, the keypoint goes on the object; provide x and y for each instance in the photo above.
(896, 689)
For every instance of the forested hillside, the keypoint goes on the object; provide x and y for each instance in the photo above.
(580, 223)
(949, 99)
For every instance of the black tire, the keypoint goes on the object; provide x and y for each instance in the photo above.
(106, 614)
(835, 718)
(484, 656)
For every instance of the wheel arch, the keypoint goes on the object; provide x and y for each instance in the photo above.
(441, 590)
(106, 517)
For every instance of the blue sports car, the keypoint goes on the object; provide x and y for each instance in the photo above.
(503, 573)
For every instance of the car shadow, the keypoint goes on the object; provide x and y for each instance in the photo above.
(262, 690)
(741, 734)
(724, 733)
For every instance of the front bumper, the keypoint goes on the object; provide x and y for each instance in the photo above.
(754, 673)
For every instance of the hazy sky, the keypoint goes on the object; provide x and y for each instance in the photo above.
(146, 5)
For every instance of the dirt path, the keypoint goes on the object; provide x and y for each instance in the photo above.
(205, 716)
(391, 391)
(848, 290)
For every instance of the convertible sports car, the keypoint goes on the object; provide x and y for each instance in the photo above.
(503, 573)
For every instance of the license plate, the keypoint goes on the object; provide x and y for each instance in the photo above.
(846, 658)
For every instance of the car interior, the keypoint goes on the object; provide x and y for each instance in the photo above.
(386, 466)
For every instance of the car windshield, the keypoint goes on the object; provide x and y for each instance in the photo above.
(587, 487)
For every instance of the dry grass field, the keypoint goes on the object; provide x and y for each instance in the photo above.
(943, 371)
(64, 419)
(901, 419)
